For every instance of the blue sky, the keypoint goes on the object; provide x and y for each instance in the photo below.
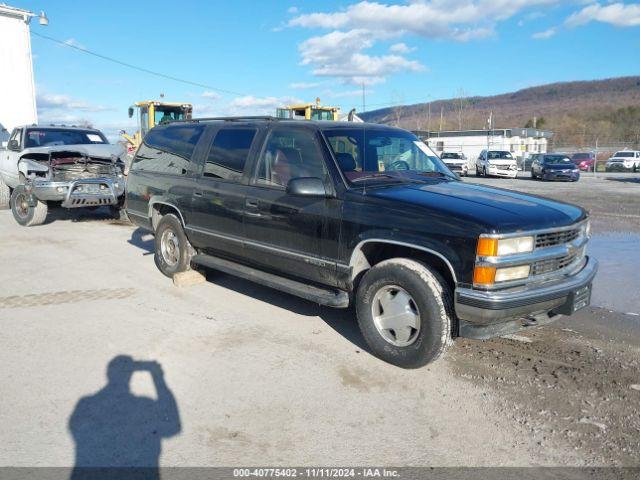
(270, 52)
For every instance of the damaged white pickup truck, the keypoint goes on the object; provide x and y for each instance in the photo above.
(69, 166)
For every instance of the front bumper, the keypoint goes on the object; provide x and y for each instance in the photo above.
(84, 192)
(499, 172)
(618, 167)
(560, 175)
(484, 314)
(460, 169)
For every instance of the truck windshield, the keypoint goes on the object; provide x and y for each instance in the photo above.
(556, 159)
(624, 154)
(500, 155)
(49, 137)
(385, 155)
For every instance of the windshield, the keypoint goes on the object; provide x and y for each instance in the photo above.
(500, 155)
(449, 155)
(383, 154)
(168, 114)
(49, 137)
(624, 154)
(555, 159)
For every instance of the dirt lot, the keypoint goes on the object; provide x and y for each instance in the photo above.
(256, 377)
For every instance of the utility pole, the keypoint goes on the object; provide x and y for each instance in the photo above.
(363, 97)
(429, 119)
(441, 112)
(595, 159)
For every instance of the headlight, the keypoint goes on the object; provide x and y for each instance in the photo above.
(587, 229)
(492, 247)
(575, 170)
(491, 275)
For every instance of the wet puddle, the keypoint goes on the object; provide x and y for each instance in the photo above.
(617, 285)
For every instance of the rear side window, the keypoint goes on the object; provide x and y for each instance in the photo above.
(229, 152)
(168, 150)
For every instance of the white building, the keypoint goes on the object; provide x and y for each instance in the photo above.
(519, 141)
(17, 90)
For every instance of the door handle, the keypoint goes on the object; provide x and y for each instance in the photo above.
(197, 193)
(251, 203)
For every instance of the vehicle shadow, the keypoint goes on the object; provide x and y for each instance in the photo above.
(99, 214)
(118, 434)
(342, 321)
(143, 240)
(624, 180)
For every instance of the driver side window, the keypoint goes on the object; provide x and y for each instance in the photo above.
(288, 154)
(17, 133)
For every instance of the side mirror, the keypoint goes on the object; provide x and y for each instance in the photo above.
(130, 112)
(306, 187)
(4, 144)
(13, 145)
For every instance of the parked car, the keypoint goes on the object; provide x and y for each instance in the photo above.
(75, 167)
(584, 161)
(456, 162)
(364, 215)
(624, 161)
(498, 163)
(552, 166)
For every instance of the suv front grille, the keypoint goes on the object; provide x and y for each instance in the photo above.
(556, 238)
(550, 265)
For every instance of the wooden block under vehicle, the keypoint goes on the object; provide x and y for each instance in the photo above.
(188, 278)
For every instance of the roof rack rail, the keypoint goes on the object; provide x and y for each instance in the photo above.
(229, 119)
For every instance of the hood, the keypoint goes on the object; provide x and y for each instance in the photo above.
(497, 210)
(559, 166)
(102, 150)
(621, 159)
(502, 161)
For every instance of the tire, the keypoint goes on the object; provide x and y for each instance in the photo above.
(5, 195)
(119, 213)
(26, 215)
(484, 172)
(477, 171)
(533, 175)
(429, 305)
(177, 253)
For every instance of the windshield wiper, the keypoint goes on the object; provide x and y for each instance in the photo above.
(373, 176)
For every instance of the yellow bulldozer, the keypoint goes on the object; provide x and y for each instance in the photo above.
(308, 111)
(151, 113)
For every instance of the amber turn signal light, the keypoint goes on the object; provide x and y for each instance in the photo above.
(487, 247)
(484, 275)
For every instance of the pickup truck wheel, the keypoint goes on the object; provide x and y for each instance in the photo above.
(25, 214)
(405, 312)
(5, 195)
(173, 251)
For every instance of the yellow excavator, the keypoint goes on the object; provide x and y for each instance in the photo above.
(308, 111)
(151, 113)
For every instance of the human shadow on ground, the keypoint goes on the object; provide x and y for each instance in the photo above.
(118, 434)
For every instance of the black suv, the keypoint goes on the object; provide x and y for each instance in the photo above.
(342, 213)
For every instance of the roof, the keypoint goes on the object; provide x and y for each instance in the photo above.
(505, 132)
(323, 124)
(8, 11)
(58, 127)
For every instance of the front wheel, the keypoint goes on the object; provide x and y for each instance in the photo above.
(173, 251)
(25, 214)
(405, 312)
(5, 195)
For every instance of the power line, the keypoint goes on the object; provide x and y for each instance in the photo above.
(135, 67)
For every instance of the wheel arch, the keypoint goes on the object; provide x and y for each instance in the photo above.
(159, 208)
(372, 251)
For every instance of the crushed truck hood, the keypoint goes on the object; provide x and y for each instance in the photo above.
(91, 150)
(497, 209)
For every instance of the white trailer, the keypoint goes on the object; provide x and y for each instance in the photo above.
(17, 89)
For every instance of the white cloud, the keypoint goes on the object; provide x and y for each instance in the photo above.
(450, 19)
(72, 42)
(292, 10)
(304, 85)
(358, 27)
(617, 14)
(400, 48)
(544, 34)
(252, 105)
(340, 54)
(47, 102)
(210, 95)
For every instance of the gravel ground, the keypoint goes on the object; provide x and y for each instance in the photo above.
(262, 378)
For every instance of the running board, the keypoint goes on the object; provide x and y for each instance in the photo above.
(328, 297)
